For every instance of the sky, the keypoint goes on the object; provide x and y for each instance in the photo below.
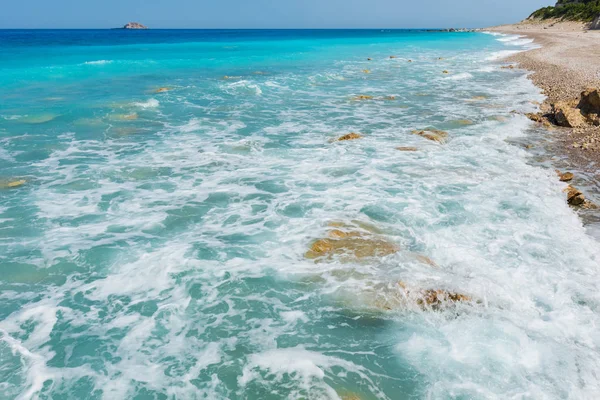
(265, 13)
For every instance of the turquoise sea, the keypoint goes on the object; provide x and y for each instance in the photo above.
(153, 243)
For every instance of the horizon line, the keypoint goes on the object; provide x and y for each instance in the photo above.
(246, 29)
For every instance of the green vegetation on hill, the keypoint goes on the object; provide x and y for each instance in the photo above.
(569, 10)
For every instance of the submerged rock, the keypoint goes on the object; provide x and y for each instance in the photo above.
(464, 122)
(350, 396)
(566, 177)
(403, 296)
(366, 71)
(162, 90)
(402, 148)
(353, 246)
(124, 117)
(435, 135)
(13, 184)
(426, 260)
(438, 298)
(362, 97)
(350, 242)
(477, 98)
(392, 56)
(350, 136)
(38, 119)
(445, 72)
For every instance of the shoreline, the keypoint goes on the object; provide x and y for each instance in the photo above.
(566, 63)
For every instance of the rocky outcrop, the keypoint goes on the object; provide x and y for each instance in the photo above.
(567, 116)
(134, 25)
(573, 114)
(590, 105)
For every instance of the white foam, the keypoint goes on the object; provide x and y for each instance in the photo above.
(151, 103)
(98, 62)
(190, 243)
(460, 76)
(242, 86)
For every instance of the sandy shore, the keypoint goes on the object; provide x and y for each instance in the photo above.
(567, 63)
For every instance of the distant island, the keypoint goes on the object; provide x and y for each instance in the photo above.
(133, 25)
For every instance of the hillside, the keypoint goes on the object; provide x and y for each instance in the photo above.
(570, 10)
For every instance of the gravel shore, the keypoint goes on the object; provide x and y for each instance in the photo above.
(567, 63)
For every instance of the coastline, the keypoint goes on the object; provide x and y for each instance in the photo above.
(566, 63)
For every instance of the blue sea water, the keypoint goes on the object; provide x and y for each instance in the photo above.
(153, 243)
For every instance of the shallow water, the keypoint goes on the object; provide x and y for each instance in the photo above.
(157, 248)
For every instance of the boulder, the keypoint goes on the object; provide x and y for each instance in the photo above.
(574, 196)
(590, 102)
(162, 90)
(567, 116)
(445, 72)
(350, 136)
